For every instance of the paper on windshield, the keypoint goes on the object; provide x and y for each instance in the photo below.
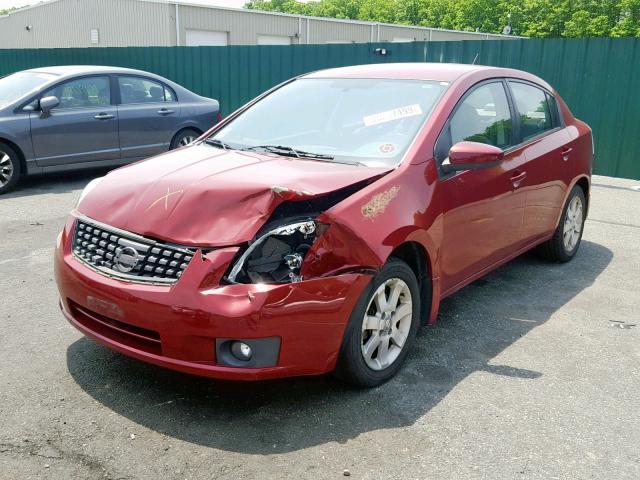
(391, 115)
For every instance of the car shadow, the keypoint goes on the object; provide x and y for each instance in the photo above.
(475, 325)
(61, 182)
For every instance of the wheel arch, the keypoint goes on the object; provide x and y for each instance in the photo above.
(15, 147)
(584, 182)
(417, 258)
(186, 127)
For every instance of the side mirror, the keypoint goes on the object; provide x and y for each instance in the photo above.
(472, 156)
(48, 103)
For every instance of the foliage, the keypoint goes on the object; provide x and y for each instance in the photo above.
(534, 18)
(5, 11)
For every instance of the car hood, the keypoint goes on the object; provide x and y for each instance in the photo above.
(204, 196)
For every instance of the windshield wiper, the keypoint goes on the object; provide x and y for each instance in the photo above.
(214, 142)
(291, 152)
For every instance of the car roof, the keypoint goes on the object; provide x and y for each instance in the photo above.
(443, 72)
(68, 70)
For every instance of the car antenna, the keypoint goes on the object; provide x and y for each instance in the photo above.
(476, 58)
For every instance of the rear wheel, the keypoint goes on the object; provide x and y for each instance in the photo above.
(184, 138)
(9, 168)
(381, 328)
(565, 242)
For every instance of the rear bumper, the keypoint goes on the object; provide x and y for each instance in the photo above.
(177, 326)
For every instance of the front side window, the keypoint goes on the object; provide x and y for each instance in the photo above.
(348, 120)
(533, 109)
(143, 90)
(82, 93)
(484, 117)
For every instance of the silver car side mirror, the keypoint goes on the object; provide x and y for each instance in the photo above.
(48, 103)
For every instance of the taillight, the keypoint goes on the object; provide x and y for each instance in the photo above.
(218, 116)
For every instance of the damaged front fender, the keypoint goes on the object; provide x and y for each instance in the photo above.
(367, 227)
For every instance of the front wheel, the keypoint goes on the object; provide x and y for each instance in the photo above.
(9, 168)
(381, 328)
(564, 244)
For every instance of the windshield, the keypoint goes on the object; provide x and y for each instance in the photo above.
(13, 87)
(349, 120)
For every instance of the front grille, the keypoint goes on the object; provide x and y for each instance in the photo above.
(125, 255)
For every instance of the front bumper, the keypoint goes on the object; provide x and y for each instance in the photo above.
(177, 326)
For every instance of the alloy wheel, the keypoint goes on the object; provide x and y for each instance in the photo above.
(6, 169)
(572, 224)
(187, 140)
(386, 324)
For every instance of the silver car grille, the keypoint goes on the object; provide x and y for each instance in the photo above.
(117, 253)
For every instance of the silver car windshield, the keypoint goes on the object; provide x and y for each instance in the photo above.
(17, 85)
(365, 121)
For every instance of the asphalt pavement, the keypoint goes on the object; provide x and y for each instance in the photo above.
(532, 372)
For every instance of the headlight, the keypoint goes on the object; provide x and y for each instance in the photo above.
(90, 186)
(276, 256)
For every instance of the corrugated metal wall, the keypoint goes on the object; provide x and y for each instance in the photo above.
(68, 23)
(120, 23)
(599, 78)
(243, 27)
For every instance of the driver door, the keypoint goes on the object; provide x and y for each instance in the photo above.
(82, 128)
(484, 210)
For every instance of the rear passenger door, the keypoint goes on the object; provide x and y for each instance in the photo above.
(542, 142)
(149, 114)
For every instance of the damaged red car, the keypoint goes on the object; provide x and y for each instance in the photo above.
(317, 227)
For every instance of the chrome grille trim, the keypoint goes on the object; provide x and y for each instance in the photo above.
(99, 246)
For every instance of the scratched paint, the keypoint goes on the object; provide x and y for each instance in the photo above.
(164, 198)
(379, 202)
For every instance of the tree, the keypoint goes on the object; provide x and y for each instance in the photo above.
(628, 24)
(532, 18)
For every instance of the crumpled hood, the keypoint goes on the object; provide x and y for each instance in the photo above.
(205, 196)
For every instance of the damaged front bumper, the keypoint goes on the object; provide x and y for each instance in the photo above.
(185, 326)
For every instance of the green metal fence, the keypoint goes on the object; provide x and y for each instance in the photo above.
(599, 77)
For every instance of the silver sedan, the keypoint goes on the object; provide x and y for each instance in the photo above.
(74, 117)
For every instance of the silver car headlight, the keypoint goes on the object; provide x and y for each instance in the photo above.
(90, 186)
(276, 256)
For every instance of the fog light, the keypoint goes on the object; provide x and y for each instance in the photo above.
(241, 351)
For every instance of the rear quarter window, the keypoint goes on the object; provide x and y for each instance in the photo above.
(533, 109)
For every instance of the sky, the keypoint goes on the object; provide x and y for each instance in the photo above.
(222, 3)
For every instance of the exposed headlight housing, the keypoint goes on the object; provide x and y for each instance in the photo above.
(276, 256)
(90, 186)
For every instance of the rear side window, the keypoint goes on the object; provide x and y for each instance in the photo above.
(143, 90)
(555, 111)
(82, 93)
(483, 116)
(533, 109)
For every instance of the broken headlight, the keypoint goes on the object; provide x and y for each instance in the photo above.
(276, 256)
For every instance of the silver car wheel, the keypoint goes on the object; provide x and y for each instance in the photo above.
(187, 140)
(6, 169)
(572, 224)
(386, 324)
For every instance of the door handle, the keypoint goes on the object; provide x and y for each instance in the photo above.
(104, 116)
(517, 178)
(165, 111)
(565, 153)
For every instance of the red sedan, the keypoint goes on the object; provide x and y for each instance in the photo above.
(318, 226)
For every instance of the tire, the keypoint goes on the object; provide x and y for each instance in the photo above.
(377, 367)
(184, 138)
(561, 247)
(10, 168)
